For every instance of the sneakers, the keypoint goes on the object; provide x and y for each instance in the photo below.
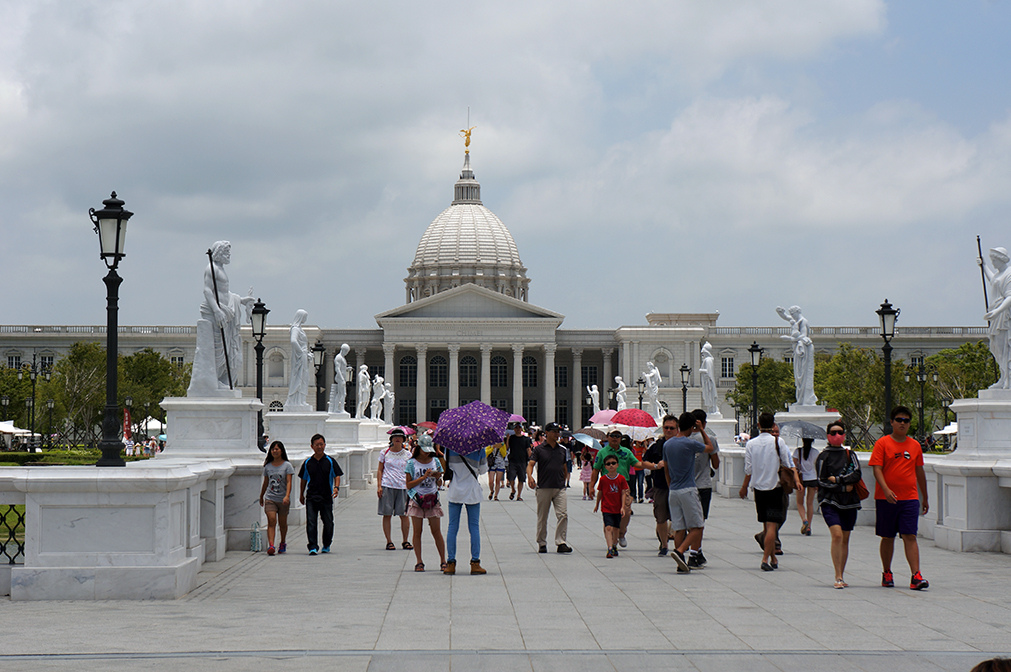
(270, 550)
(450, 567)
(693, 562)
(476, 568)
(564, 548)
(326, 549)
(610, 553)
(282, 548)
(542, 549)
(683, 567)
(622, 542)
(887, 581)
(663, 551)
(702, 558)
(918, 582)
(613, 551)
(805, 528)
(313, 551)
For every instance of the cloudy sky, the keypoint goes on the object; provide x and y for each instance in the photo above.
(653, 156)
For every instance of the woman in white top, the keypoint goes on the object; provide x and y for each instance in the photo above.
(424, 476)
(804, 458)
(465, 490)
(392, 487)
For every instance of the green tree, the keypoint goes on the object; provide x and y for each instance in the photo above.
(962, 371)
(78, 386)
(775, 387)
(148, 377)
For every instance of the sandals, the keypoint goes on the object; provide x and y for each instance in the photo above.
(512, 495)
(391, 547)
(420, 567)
(407, 546)
(840, 584)
(442, 567)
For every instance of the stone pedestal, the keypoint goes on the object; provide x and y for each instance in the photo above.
(984, 425)
(341, 431)
(724, 431)
(211, 427)
(295, 430)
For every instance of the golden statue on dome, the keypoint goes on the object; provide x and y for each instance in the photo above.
(465, 134)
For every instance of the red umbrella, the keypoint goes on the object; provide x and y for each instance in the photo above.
(633, 417)
(427, 425)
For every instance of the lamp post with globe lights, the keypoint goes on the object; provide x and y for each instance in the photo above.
(258, 317)
(756, 359)
(887, 315)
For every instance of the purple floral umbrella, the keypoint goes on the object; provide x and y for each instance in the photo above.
(470, 428)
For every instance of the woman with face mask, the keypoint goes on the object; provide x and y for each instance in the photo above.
(838, 471)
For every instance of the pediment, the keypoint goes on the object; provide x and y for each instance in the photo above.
(469, 301)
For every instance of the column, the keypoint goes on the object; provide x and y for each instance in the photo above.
(549, 382)
(607, 382)
(636, 363)
(626, 363)
(486, 373)
(518, 379)
(421, 393)
(454, 375)
(359, 360)
(388, 376)
(576, 421)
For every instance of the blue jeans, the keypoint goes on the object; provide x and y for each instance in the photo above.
(473, 520)
(637, 484)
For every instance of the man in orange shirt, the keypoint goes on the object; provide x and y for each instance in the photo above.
(900, 496)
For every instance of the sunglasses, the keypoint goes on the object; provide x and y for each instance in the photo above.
(837, 432)
(902, 419)
(607, 464)
(668, 428)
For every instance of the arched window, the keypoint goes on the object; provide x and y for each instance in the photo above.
(275, 369)
(529, 372)
(438, 372)
(499, 372)
(408, 371)
(275, 407)
(468, 371)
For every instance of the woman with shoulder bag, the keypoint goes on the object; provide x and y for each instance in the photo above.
(465, 490)
(423, 478)
(838, 471)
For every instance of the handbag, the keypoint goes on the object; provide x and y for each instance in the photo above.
(785, 473)
(428, 501)
(860, 487)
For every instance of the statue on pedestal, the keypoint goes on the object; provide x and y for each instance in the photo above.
(339, 389)
(619, 393)
(803, 354)
(707, 376)
(218, 357)
(378, 393)
(594, 397)
(301, 365)
(652, 377)
(389, 404)
(998, 315)
(363, 391)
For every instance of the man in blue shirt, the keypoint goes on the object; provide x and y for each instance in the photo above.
(683, 498)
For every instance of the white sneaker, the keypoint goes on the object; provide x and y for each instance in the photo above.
(622, 542)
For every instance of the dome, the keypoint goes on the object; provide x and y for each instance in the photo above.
(466, 243)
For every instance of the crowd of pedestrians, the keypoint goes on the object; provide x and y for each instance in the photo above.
(673, 473)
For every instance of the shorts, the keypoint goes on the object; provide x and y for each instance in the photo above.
(902, 517)
(281, 509)
(661, 507)
(705, 496)
(517, 470)
(813, 483)
(770, 505)
(415, 511)
(612, 520)
(844, 518)
(393, 502)
(685, 509)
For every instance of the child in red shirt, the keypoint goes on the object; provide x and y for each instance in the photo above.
(611, 500)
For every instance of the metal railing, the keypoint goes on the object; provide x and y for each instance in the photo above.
(12, 534)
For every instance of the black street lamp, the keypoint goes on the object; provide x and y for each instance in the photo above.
(110, 225)
(318, 360)
(921, 372)
(887, 316)
(5, 401)
(50, 404)
(641, 386)
(756, 359)
(29, 411)
(612, 394)
(686, 373)
(259, 321)
(33, 372)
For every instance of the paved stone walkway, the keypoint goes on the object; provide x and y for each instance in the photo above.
(364, 608)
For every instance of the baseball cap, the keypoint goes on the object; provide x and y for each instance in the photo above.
(552, 427)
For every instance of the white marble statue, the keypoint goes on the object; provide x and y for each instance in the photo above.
(301, 366)
(389, 404)
(378, 394)
(364, 389)
(999, 314)
(652, 377)
(221, 318)
(619, 393)
(594, 397)
(339, 389)
(803, 354)
(707, 378)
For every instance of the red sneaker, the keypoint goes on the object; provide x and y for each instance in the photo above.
(887, 581)
(270, 550)
(918, 582)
